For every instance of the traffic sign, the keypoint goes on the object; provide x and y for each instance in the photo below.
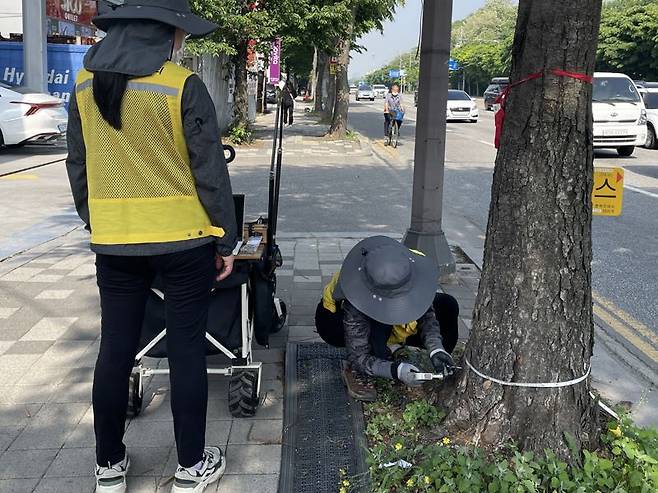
(453, 65)
(608, 191)
(394, 73)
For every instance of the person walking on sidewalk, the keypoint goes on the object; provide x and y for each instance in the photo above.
(150, 182)
(288, 95)
(385, 296)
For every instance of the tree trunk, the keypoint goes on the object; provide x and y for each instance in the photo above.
(338, 127)
(319, 81)
(330, 94)
(241, 104)
(533, 314)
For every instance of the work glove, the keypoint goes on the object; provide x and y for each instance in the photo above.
(442, 362)
(405, 374)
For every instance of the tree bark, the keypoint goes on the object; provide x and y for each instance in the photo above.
(338, 127)
(533, 314)
(241, 104)
(330, 95)
(319, 80)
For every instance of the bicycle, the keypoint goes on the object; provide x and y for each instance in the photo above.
(394, 128)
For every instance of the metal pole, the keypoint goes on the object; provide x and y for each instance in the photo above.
(34, 45)
(425, 233)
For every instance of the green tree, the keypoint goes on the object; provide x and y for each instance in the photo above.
(628, 41)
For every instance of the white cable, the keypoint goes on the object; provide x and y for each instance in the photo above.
(538, 385)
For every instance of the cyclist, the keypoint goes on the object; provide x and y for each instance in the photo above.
(392, 103)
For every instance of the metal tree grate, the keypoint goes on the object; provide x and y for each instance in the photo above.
(323, 427)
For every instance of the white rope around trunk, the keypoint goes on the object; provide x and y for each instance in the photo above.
(536, 385)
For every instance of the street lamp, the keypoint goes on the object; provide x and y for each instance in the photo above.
(425, 232)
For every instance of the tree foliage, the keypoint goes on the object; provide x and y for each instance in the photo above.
(628, 41)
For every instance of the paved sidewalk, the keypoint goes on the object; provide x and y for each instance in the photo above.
(304, 140)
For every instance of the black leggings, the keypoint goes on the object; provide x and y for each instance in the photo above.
(331, 330)
(287, 113)
(124, 283)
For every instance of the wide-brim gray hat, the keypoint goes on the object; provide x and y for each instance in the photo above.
(387, 282)
(175, 13)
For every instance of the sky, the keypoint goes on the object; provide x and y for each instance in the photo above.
(399, 36)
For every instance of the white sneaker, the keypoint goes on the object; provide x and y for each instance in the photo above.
(112, 478)
(189, 480)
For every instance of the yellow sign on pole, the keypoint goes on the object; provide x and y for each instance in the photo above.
(608, 191)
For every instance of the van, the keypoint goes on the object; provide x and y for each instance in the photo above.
(620, 118)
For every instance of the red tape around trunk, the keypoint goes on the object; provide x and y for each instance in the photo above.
(499, 117)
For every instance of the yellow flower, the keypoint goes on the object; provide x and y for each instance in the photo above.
(428, 480)
(398, 446)
(616, 431)
(342, 489)
(410, 482)
(446, 441)
(346, 482)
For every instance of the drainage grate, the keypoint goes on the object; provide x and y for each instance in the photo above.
(323, 426)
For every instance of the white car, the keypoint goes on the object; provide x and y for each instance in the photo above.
(620, 119)
(32, 117)
(380, 90)
(650, 96)
(365, 92)
(461, 107)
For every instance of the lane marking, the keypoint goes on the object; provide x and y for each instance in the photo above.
(643, 346)
(643, 192)
(626, 317)
(19, 177)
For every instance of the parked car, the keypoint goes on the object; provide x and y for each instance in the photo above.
(649, 93)
(353, 88)
(461, 107)
(491, 93)
(30, 117)
(365, 92)
(380, 90)
(270, 93)
(620, 118)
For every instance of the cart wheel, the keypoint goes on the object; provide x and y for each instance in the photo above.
(243, 394)
(135, 394)
(280, 320)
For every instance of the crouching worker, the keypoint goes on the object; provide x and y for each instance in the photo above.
(385, 296)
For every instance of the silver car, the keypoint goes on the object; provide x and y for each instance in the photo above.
(365, 92)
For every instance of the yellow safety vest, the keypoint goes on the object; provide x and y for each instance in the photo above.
(141, 188)
(398, 335)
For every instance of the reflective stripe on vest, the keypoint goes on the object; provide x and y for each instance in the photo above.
(141, 188)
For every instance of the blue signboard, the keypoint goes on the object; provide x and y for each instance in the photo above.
(453, 65)
(394, 73)
(64, 62)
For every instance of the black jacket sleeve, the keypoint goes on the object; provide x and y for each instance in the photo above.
(207, 160)
(76, 161)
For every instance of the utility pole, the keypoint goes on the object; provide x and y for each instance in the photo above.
(34, 45)
(425, 233)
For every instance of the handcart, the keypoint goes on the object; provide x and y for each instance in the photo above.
(243, 307)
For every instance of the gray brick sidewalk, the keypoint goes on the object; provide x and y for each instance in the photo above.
(304, 140)
(49, 335)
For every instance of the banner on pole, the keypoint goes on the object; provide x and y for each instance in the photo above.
(275, 61)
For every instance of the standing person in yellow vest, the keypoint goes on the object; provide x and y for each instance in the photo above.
(384, 297)
(149, 180)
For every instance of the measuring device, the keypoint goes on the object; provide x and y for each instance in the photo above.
(426, 377)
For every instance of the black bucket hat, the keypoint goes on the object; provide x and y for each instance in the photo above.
(175, 13)
(388, 282)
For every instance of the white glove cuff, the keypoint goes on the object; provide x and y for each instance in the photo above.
(439, 350)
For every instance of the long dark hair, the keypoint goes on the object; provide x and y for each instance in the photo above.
(109, 88)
